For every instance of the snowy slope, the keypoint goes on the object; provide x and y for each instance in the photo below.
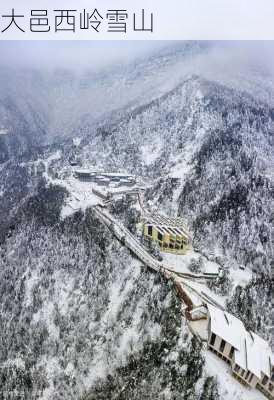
(77, 307)
(211, 152)
(79, 315)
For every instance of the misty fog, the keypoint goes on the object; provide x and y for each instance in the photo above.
(73, 81)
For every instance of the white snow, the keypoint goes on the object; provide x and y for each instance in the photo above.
(15, 362)
(78, 202)
(183, 164)
(81, 196)
(52, 369)
(240, 277)
(204, 292)
(251, 351)
(64, 287)
(53, 157)
(192, 293)
(46, 315)
(258, 355)
(181, 263)
(229, 387)
(3, 132)
(44, 164)
(226, 326)
(150, 152)
(77, 141)
(130, 337)
(29, 285)
(85, 171)
(200, 328)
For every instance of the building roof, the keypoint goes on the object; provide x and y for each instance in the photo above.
(226, 326)
(117, 174)
(83, 172)
(240, 355)
(173, 226)
(259, 355)
(90, 172)
(252, 353)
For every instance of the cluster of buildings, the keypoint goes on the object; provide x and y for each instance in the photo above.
(250, 356)
(171, 234)
(105, 178)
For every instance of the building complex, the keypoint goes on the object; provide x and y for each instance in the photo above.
(250, 356)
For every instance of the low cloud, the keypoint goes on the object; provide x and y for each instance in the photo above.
(73, 54)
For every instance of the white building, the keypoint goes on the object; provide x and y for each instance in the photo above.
(105, 178)
(249, 355)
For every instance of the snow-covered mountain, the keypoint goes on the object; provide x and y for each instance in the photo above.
(40, 106)
(75, 306)
(207, 152)
(80, 316)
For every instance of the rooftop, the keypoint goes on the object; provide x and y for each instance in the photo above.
(84, 172)
(226, 326)
(170, 225)
(102, 173)
(252, 352)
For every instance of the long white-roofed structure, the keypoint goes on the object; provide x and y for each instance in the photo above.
(98, 175)
(249, 355)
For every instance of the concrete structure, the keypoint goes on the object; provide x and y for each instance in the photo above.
(84, 175)
(105, 178)
(248, 354)
(170, 233)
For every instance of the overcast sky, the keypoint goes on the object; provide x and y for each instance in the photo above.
(73, 54)
(95, 54)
